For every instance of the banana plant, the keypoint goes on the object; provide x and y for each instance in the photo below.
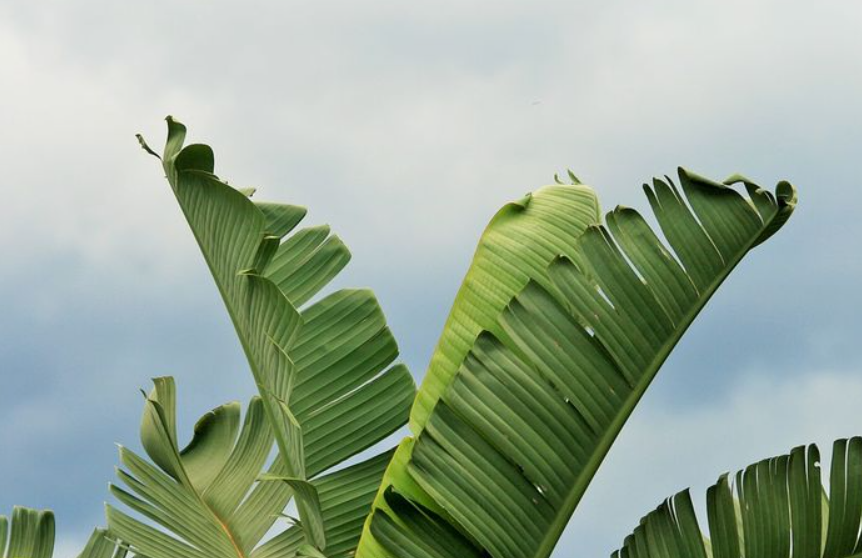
(559, 327)
(30, 534)
(775, 508)
(561, 324)
(545, 354)
(328, 388)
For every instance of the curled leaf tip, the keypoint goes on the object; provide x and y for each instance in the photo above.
(786, 193)
(524, 201)
(146, 147)
(575, 180)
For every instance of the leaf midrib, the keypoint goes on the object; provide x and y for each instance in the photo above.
(246, 351)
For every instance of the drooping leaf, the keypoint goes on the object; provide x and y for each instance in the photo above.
(775, 508)
(511, 435)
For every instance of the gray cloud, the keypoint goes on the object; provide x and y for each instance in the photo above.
(404, 126)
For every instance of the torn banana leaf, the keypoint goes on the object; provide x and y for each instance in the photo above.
(775, 508)
(510, 431)
(323, 367)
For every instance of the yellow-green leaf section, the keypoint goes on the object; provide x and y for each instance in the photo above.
(516, 247)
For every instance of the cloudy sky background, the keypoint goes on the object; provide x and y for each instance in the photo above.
(405, 125)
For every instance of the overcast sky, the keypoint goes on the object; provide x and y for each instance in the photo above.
(406, 125)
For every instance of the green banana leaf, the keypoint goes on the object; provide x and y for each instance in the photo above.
(324, 369)
(775, 508)
(509, 434)
(516, 247)
(102, 545)
(30, 534)
(200, 495)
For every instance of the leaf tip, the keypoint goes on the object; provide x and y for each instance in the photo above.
(145, 147)
(786, 194)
